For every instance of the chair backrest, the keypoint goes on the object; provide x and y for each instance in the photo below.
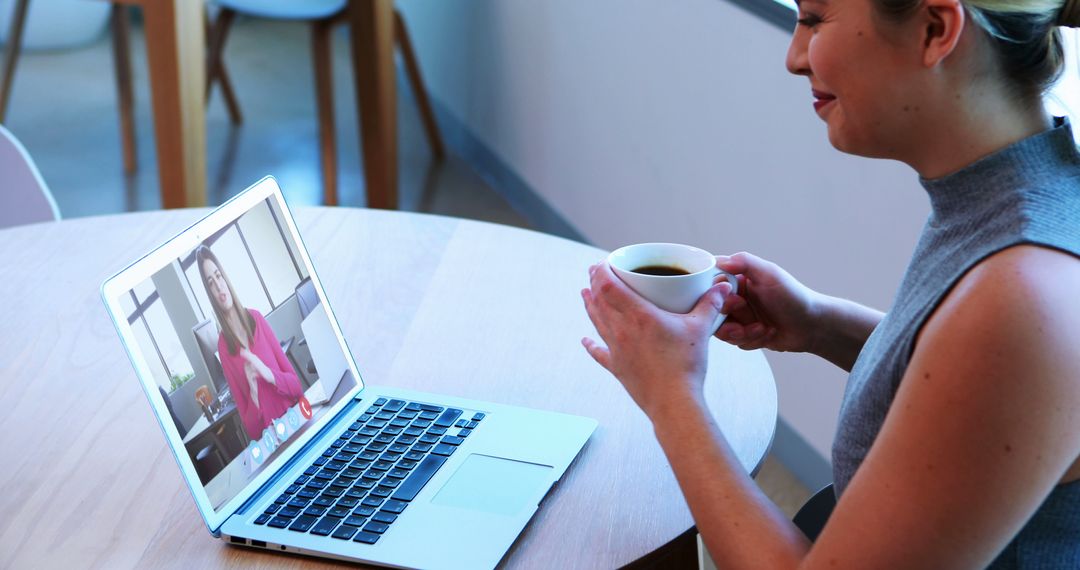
(206, 336)
(306, 297)
(24, 197)
(815, 512)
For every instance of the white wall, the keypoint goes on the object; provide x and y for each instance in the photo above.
(640, 120)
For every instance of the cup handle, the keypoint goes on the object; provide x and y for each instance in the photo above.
(730, 279)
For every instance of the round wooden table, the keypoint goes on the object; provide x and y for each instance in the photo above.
(431, 303)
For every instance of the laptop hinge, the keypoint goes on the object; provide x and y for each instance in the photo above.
(288, 465)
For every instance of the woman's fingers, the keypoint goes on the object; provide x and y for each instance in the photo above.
(599, 353)
(595, 314)
(610, 290)
(743, 263)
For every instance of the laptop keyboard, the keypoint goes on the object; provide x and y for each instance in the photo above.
(367, 477)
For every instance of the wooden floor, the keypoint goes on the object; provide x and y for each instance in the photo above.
(64, 111)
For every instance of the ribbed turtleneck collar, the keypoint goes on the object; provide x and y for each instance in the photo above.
(1006, 170)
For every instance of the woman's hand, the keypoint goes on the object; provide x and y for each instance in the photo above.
(772, 309)
(258, 366)
(659, 357)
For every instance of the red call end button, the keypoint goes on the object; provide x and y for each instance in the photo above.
(305, 408)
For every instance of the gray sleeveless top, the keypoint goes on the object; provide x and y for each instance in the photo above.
(1027, 193)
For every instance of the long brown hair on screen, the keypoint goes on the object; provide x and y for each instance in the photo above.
(203, 254)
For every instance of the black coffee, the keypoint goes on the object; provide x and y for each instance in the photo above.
(666, 270)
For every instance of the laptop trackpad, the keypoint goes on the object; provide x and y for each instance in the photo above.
(494, 485)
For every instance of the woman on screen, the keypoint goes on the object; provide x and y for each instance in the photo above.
(260, 376)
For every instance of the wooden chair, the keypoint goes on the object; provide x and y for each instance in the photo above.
(24, 197)
(120, 27)
(323, 15)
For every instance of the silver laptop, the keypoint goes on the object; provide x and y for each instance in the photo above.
(282, 444)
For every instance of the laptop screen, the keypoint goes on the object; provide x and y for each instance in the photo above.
(240, 346)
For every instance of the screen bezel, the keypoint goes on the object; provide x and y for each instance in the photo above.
(144, 268)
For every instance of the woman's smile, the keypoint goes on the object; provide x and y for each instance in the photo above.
(822, 100)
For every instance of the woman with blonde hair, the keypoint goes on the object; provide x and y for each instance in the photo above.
(958, 443)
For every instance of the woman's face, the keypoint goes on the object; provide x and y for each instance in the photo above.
(216, 286)
(862, 74)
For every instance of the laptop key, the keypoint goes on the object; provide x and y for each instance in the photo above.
(347, 501)
(394, 506)
(345, 532)
(430, 408)
(379, 402)
(407, 463)
(288, 512)
(389, 483)
(451, 440)
(366, 537)
(314, 511)
(414, 455)
(464, 433)
(351, 473)
(373, 502)
(384, 415)
(381, 492)
(443, 449)
(407, 414)
(325, 526)
(394, 405)
(436, 431)
(396, 474)
(354, 494)
(339, 512)
(364, 511)
(384, 517)
(376, 527)
(355, 520)
(297, 503)
(335, 465)
(311, 470)
(281, 500)
(303, 523)
(273, 508)
(323, 501)
(478, 416)
(382, 465)
(280, 522)
(306, 493)
(320, 461)
(448, 417)
(422, 447)
(262, 519)
(334, 492)
(429, 438)
(413, 407)
(419, 477)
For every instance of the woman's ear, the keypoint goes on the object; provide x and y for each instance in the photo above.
(943, 23)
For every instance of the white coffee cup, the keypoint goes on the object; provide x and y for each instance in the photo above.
(674, 293)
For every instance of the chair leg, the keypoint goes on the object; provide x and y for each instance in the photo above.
(125, 95)
(11, 53)
(412, 69)
(324, 97)
(216, 35)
